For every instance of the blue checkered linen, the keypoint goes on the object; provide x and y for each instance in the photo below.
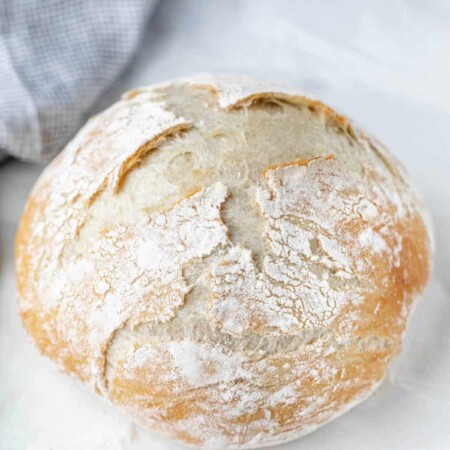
(56, 59)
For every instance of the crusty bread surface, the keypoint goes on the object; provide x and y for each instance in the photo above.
(230, 262)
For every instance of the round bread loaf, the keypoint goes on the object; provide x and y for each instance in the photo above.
(230, 262)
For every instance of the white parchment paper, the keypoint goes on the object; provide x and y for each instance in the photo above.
(384, 63)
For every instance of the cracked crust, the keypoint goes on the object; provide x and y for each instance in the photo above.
(331, 235)
(231, 262)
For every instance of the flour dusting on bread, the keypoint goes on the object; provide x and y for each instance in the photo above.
(231, 262)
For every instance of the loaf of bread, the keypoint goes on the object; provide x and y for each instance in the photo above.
(230, 262)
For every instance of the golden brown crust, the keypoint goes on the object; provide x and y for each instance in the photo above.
(357, 224)
(296, 162)
(277, 347)
(99, 157)
(242, 92)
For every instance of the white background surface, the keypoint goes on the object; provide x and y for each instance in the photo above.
(385, 64)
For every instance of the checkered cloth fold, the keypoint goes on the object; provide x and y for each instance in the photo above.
(56, 59)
